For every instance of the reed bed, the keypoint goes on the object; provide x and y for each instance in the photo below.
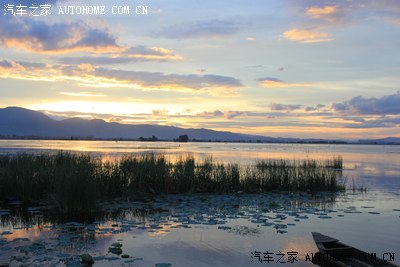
(74, 183)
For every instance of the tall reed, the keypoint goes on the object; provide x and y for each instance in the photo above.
(74, 183)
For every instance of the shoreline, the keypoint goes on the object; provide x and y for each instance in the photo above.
(317, 142)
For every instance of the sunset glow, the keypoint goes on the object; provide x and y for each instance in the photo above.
(290, 68)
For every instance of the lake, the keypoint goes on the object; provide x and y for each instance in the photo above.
(215, 230)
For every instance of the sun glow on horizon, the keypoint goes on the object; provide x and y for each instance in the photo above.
(111, 108)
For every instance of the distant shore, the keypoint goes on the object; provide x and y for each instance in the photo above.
(149, 139)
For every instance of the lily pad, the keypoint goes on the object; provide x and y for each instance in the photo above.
(114, 250)
(87, 259)
(117, 245)
(324, 217)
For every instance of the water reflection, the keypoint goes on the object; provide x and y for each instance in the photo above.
(217, 230)
(241, 215)
(212, 230)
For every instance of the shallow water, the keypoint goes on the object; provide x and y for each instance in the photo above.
(215, 230)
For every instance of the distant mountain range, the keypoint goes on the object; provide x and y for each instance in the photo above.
(15, 121)
(19, 122)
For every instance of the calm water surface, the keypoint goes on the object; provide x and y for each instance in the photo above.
(216, 230)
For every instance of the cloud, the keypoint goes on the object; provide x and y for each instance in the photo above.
(231, 114)
(309, 109)
(196, 29)
(321, 12)
(89, 75)
(77, 36)
(42, 37)
(156, 53)
(212, 114)
(283, 116)
(98, 60)
(386, 105)
(376, 123)
(159, 112)
(269, 82)
(316, 108)
(125, 55)
(307, 36)
(82, 94)
(328, 13)
(283, 107)
(61, 115)
(158, 80)
(8, 65)
(332, 13)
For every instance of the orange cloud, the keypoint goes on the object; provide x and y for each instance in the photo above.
(276, 83)
(164, 54)
(34, 44)
(88, 75)
(82, 94)
(320, 12)
(307, 36)
(86, 67)
(126, 55)
(157, 53)
(115, 52)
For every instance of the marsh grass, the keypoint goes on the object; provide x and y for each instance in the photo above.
(74, 183)
(308, 175)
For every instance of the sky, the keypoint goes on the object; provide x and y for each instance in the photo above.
(280, 68)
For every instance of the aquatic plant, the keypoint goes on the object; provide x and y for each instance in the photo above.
(74, 183)
(308, 175)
